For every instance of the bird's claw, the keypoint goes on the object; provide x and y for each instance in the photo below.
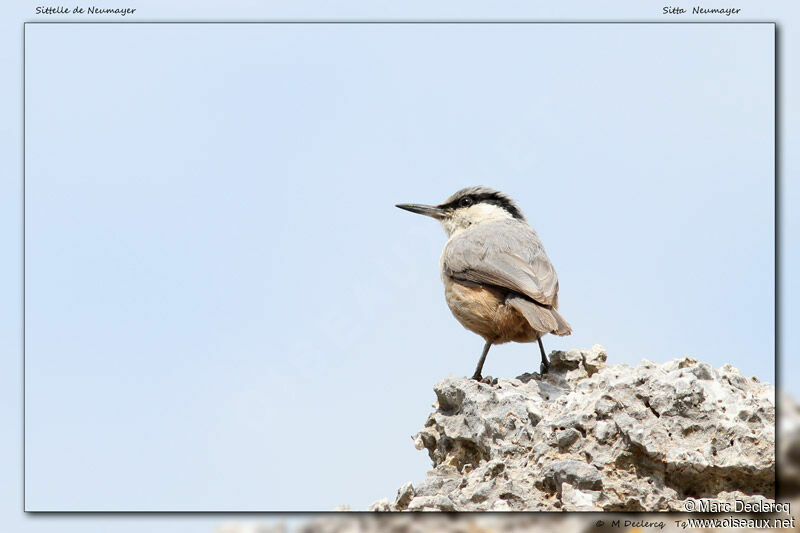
(486, 380)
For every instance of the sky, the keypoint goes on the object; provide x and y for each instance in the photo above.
(219, 289)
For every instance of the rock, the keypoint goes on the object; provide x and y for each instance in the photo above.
(440, 523)
(380, 506)
(573, 499)
(566, 437)
(588, 436)
(789, 448)
(576, 473)
(404, 495)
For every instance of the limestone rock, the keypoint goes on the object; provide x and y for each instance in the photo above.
(789, 447)
(588, 436)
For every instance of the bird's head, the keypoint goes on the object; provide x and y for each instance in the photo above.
(468, 207)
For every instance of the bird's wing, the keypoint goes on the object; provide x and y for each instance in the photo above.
(507, 254)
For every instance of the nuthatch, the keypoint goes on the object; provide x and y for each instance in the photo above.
(498, 281)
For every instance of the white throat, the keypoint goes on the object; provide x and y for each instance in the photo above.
(477, 214)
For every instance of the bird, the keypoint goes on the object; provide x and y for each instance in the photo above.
(498, 281)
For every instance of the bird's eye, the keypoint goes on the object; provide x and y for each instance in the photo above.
(465, 202)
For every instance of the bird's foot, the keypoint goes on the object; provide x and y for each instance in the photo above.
(477, 377)
(544, 367)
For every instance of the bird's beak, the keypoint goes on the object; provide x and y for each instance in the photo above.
(427, 210)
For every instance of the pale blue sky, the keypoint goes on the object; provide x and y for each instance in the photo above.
(224, 309)
(190, 405)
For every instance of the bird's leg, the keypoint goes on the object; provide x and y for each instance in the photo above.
(477, 375)
(545, 364)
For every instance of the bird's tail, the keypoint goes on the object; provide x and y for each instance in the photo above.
(563, 326)
(542, 318)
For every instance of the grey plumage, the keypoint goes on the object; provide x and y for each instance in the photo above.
(505, 253)
(499, 282)
(543, 319)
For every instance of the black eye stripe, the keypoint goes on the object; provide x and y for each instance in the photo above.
(487, 198)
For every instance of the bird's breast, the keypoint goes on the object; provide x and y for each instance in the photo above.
(482, 310)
